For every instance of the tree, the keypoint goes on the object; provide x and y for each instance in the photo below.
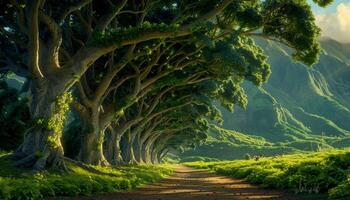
(53, 44)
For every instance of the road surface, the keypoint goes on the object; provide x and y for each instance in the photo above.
(193, 184)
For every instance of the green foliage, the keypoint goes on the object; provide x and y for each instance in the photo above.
(236, 145)
(323, 3)
(117, 35)
(24, 184)
(56, 122)
(285, 20)
(197, 158)
(302, 108)
(214, 44)
(341, 191)
(303, 173)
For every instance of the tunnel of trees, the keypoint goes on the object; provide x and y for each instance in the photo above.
(128, 81)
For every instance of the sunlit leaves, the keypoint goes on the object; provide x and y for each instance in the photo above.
(232, 93)
(293, 23)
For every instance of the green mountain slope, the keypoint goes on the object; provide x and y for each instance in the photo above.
(300, 108)
(224, 144)
(298, 101)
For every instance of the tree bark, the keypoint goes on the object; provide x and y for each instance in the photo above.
(154, 157)
(163, 153)
(158, 146)
(148, 148)
(137, 148)
(91, 150)
(112, 149)
(144, 144)
(42, 146)
(127, 148)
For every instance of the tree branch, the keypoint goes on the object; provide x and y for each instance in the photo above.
(89, 54)
(106, 20)
(56, 36)
(71, 9)
(85, 99)
(112, 72)
(33, 36)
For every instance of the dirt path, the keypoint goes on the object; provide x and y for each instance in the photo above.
(191, 184)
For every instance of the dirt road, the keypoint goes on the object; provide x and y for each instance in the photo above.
(191, 184)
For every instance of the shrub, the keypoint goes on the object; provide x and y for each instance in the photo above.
(18, 184)
(341, 192)
(303, 173)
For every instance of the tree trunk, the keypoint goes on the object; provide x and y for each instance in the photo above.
(127, 149)
(91, 150)
(163, 154)
(148, 148)
(42, 146)
(158, 146)
(112, 149)
(144, 154)
(145, 144)
(154, 157)
(137, 148)
(156, 150)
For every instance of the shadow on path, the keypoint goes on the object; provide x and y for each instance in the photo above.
(191, 184)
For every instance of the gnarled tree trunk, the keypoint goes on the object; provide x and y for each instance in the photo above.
(112, 147)
(163, 153)
(42, 146)
(137, 148)
(154, 157)
(91, 150)
(127, 148)
(148, 148)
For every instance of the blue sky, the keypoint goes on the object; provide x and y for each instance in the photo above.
(331, 8)
(334, 20)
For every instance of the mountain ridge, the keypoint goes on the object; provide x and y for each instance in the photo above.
(300, 107)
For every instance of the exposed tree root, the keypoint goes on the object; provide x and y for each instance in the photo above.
(39, 163)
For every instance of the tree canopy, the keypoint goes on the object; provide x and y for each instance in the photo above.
(140, 76)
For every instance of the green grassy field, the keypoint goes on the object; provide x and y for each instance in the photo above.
(321, 172)
(24, 184)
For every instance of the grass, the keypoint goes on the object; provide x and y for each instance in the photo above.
(321, 172)
(24, 184)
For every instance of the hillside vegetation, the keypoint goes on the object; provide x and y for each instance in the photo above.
(224, 144)
(81, 180)
(321, 172)
(299, 109)
(298, 102)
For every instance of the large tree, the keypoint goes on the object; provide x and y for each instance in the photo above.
(53, 43)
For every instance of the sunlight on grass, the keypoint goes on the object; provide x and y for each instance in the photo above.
(24, 184)
(302, 173)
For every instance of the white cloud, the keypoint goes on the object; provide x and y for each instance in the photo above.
(336, 25)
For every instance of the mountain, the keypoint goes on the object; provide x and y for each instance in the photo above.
(300, 108)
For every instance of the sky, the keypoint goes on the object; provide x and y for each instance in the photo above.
(334, 20)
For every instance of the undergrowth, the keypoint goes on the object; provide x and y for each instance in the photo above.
(23, 184)
(320, 172)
